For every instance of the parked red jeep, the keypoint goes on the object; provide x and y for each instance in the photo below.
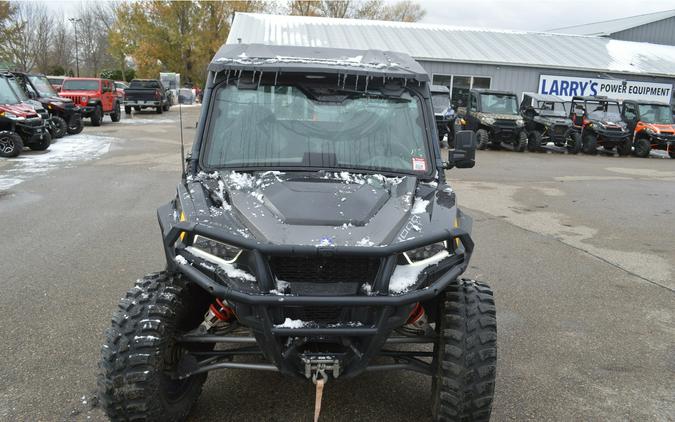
(96, 98)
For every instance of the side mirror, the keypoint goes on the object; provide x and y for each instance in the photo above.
(463, 156)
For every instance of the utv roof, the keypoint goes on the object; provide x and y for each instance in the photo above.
(593, 98)
(544, 97)
(268, 58)
(493, 91)
(439, 88)
(647, 102)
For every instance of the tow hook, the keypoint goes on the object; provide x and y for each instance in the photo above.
(315, 368)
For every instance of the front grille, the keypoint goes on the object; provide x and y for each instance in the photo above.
(319, 314)
(33, 122)
(75, 98)
(559, 130)
(505, 123)
(336, 269)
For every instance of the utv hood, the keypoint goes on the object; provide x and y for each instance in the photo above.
(320, 209)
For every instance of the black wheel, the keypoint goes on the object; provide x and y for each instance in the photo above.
(625, 148)
(160, 110)
(167, 107)
(520, 143)
(642, 147)
(116, 115)
(140, 351)
(482, 138)
(127, 109)
(59, 127)
(574, 142)
(534, 141)
(10, 144)
(590, 144)
(465, 355)
(40, 143)
(75, 125)
(671, 154)
(97, 116)
(137, 108)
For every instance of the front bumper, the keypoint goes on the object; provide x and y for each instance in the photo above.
(663, 141)
(28, 129)
(369, 319)
(142, 103)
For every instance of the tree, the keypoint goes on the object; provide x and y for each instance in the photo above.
(9, 31)
(404, 10)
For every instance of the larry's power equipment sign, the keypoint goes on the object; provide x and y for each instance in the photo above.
(568, 86)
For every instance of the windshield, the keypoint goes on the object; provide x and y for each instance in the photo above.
(80, 85)
(499, 103)
(659, 114)
(326, 128)
(120, 85)
(42, 85)
(440, 101)
(21, 95)
(603, 111)
(552, 108)
(144, 84)
(7, 95)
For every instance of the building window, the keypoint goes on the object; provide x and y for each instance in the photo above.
(444, 80)
(481, 82)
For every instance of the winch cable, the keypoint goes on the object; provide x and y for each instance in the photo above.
(319, 380)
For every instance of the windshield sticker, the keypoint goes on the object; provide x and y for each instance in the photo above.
(419, 164)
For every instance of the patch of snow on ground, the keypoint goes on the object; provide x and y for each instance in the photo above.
(62, 153)
(420, 206)
(405, 276)
(230, 270)
(291, 323)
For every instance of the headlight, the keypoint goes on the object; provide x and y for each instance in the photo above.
(487, 120)
(227, 253)
(84, 99)
(650, 131)
(12, 116)
(425, 252)
(519, 122)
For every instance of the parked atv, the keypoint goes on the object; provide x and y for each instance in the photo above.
(66, 117)
(547, 121)
(440, 99)
(494, 116)
(599, 121)
(652, 126)
(312, 230)
(20, 124)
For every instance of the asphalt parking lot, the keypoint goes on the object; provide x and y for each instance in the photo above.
(579, 251)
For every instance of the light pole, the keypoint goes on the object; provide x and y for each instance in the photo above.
(74, 21)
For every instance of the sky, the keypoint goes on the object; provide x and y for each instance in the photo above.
(530, 15)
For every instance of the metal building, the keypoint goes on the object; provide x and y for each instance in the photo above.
(462, 58)
(657, 28)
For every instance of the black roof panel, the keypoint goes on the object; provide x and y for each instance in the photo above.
(269, 58)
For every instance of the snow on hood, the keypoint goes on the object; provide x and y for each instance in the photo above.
(323, 209)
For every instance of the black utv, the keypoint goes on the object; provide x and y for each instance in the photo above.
(547, 121)
(599, 120)
(494, 117)
(440, 99)
(66, 117)
(313, 234)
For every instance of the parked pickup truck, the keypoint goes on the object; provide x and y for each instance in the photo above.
(145, 93)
